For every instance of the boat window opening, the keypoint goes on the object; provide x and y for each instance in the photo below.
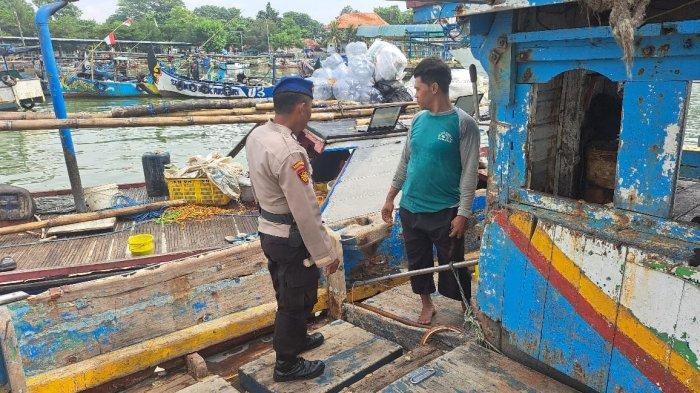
(686, 201)
(573, 136)
(328, 165)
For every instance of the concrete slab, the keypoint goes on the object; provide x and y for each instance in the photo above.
(350, 354)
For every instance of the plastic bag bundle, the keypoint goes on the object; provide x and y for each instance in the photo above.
(389, 61)
(355, 80)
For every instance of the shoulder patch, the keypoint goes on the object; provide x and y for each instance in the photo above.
(300, 168)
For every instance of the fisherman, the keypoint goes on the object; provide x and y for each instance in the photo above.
(290, 226)
(437, 176)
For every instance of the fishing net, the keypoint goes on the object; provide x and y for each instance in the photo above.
(191, 212)
(625, 17)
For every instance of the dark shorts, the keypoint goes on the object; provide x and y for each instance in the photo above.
(423, 232)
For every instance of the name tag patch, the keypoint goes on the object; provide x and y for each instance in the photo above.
(300, 169)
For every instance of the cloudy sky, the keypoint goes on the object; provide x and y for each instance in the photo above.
(321, 10)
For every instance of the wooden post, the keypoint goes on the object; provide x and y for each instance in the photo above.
(10, 353)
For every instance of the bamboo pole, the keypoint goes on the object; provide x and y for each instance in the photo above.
(197, 108)
(84, 217)
(44, 124)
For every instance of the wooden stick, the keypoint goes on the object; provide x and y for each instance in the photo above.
(45, 124)
(83, 217)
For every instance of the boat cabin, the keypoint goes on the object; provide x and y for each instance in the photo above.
(589, 260)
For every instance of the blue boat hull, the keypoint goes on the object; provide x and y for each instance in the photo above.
(83, 87)
(173, 85)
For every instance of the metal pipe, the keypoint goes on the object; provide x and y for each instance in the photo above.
(13, 297)
(43, 14)
(419, 272)
(475, 91)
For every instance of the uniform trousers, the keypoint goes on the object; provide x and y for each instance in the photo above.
(296, 289)
(422, 232)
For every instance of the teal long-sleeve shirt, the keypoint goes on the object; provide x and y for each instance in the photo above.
(439, 164)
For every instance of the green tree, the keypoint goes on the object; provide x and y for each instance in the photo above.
(10, 12)
(394, 16)
(347, 9)
(268, 13)
(310, 27)
(217, 12)
(70, 10)
(289, 35)
(137, 9)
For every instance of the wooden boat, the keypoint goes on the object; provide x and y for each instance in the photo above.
(115, 326)
(84, 86)
(172, 85)
(592, 277)
(18, 91)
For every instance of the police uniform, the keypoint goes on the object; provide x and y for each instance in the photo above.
(290, 230)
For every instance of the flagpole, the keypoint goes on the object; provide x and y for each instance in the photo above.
(91, 55)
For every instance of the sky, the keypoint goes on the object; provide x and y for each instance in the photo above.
(322, 10)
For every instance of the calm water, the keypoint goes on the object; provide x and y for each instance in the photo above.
(34, 159)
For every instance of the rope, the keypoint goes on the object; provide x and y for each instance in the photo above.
(120, 200)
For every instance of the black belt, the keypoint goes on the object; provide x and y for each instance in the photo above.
(286, 218)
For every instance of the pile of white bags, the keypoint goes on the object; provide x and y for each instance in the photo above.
(355, 80)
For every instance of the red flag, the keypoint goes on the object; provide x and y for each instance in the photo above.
(128, 22)
(111, 39)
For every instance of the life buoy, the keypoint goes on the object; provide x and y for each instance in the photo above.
(8, 80)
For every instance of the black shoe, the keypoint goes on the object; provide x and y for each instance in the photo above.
(313, 341)
(297, 369)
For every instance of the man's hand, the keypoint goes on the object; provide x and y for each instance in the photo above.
(388, 212)
(458, 226)
(332, 268)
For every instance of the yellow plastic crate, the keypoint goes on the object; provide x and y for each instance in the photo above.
(201, 191)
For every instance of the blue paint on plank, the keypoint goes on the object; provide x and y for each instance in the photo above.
(605, 220)
(649, 153)
(624, 377)
(571, 345)
(496, 249)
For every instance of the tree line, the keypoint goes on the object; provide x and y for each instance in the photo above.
(214, 27)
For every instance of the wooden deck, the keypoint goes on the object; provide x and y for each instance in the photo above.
(475, 369)
(87, 253)
(350, 353)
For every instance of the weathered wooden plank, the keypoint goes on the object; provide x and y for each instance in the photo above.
(349, 352)
(410, 361)
(125, 361)
(211, 384)
(76, 322)
(89, 226)
(649, 157)
(402, 302)
(477, 369)
(11, 371)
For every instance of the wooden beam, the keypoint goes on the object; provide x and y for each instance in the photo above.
(122, 362)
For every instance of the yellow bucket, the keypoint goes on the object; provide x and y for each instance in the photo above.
(141, 244)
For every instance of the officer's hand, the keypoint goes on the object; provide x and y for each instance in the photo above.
(388, 212)
(332, 268)
(458, 226)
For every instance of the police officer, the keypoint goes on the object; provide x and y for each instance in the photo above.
(290, 226)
